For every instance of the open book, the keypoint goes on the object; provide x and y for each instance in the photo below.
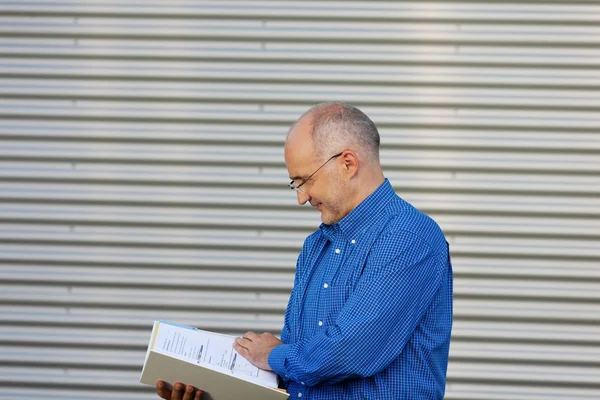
(207, 361)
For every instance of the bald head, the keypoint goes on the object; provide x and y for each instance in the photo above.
(332, 155)
(334, 127)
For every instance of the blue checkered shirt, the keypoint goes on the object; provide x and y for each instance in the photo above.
(370, 313)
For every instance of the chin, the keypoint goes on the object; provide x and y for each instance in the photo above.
(328, 220)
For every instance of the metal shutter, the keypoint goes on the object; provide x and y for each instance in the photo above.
(142, 176)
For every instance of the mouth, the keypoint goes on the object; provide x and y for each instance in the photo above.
(319, 206)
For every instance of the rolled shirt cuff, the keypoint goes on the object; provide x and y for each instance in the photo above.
(277, 361)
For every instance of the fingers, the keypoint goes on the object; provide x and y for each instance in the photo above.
(242, 343)
(191, 393)
(251, 336)
(245, 340)
(162, 391)
(239, 348)
(269, 335)
(177, 393)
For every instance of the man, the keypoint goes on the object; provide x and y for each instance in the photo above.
(370, 313)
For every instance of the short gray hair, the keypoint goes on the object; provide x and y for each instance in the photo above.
(337, 126)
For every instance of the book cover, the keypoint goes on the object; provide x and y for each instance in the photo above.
(207, 361)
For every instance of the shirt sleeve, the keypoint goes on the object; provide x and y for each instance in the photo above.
(376, 321)
(285, 332)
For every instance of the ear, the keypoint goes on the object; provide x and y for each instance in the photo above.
(350, 163)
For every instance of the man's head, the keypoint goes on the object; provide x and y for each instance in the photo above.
(342, 182)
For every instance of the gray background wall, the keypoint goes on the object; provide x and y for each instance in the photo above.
(142, 177)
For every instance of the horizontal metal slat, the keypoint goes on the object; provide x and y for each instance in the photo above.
(346, 75)
(282, 198)
(184, 239)
(272, 156)
(201, 280)
(145, 153)
(531, 353)
(525, 247)
(464, 265)
(129, 277)
(223, 218)
(330, 10)
(526, 311)
(127, 380)
(134, 298)
(148, 132)
(59, 337)
(156, 237)
(508, 288)
(140, 194)
(517, 119)
(213, 92)
(184, 258)
(330, 31)
(305, 53)
(104, 354)
(407, 137)
(121, 359)
(84, 317)
(490, 286)
(72, 378)
(454, 390)
(54, 392)
(404, 181)
(468, 265)
(271, 114)
(299, 219)
(524, 374)
(191, 300)
(465, 329)
(523, 226)
(507, 391)
(132, 359)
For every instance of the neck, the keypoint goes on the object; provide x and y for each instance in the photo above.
(367, 184)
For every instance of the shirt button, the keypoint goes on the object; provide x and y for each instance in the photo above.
(302, 383)
(325, 286)
(337, 251)
(353, 241)
(320, 323)
(299, 394)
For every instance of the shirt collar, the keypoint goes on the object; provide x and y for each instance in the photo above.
(358, 219)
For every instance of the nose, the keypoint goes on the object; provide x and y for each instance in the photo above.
(302, 197)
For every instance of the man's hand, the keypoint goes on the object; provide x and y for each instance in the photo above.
(179, 392)
(256, 348)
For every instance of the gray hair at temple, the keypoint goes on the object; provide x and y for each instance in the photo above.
(337, 126)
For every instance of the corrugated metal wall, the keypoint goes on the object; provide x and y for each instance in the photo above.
(142, 176)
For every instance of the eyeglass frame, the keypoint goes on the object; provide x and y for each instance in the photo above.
(293, 185)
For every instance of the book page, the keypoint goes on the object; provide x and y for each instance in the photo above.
(208, 349)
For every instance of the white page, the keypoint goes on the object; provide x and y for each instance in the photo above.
(208, 349)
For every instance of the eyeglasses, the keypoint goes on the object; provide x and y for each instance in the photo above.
(293, 185)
